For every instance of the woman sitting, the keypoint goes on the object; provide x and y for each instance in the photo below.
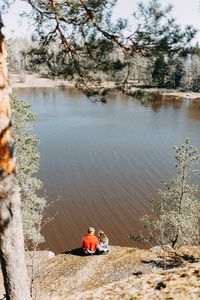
(102, 247)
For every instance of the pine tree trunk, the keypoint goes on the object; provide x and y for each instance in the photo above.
(11, 233)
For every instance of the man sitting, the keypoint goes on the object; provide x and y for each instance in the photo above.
(90, 242)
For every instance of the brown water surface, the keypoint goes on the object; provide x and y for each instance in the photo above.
(105, 160)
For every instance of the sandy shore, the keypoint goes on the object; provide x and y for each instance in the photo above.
(35, 81)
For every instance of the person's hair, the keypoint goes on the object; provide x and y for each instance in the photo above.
(91, 230)
(102, 237)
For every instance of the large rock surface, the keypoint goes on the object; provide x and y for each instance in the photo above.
(124, 273)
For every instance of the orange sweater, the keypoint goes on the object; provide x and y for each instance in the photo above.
(90, 242)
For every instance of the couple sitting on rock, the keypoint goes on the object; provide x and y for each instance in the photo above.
(92, 245)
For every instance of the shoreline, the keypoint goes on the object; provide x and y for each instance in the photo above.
(35, 81)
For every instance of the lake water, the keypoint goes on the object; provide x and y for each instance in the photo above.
(105, 161)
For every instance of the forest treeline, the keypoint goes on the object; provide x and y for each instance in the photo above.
(178, 71)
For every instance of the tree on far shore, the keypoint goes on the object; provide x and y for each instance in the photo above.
(159, 71)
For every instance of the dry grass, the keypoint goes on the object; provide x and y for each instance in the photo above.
(180, 284)
(125, 273)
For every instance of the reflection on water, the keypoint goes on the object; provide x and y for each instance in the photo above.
(166, 102)
(105, 160)
(193, 109)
